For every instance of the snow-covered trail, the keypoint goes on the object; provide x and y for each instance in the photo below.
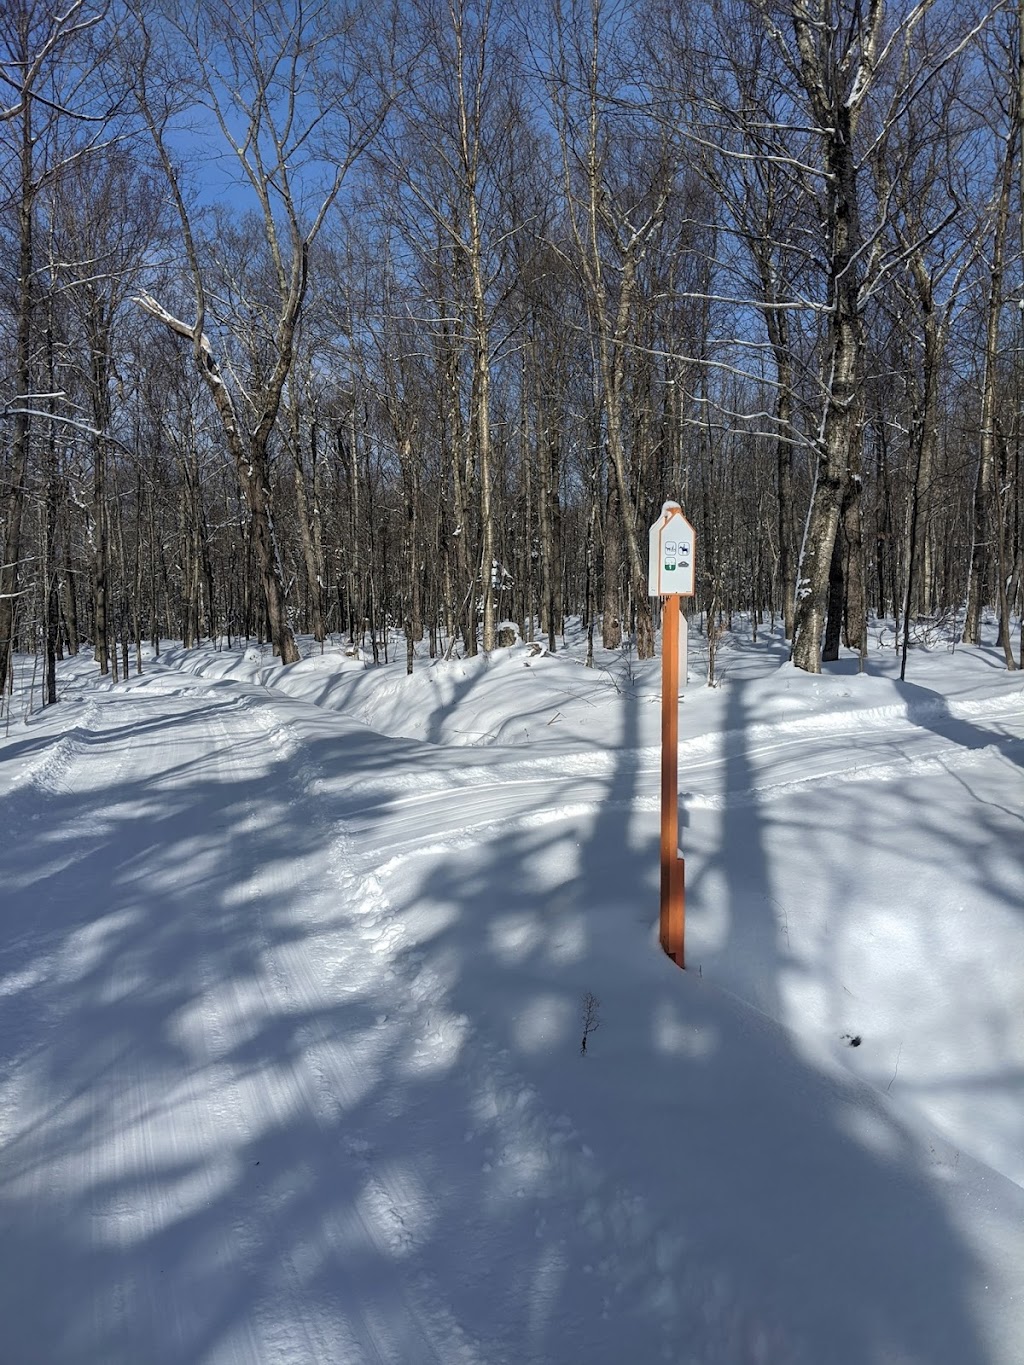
(815, 847)
(289, 1081)
(187, 1124)
(778, 761)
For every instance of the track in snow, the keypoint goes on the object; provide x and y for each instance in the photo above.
(205, 1066)
(878, 748)
(219, 1143)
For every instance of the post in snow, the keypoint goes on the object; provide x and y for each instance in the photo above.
(670, 576)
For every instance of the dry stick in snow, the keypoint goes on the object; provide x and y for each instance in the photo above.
(591, 1019)
(895, 1073)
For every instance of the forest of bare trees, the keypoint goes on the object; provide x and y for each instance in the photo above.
(366, 317)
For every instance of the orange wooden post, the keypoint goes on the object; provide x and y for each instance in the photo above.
(671, 575)
(673, 870)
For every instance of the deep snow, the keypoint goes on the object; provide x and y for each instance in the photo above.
(291, 992)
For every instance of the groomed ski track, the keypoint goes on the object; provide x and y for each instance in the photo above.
(203, 1059)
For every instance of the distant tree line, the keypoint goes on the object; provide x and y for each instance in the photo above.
(355, 315)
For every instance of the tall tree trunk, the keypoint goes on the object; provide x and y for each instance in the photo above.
(10, 565)
(836, 596)
(412, 554)
(550, 527)
(98, 333)
(469, 120)
(924, 441)
(314, 574)
(349, 461)
(855, 610)
(51, 522)
(763, 248)
(462, 472)
(840, 433)
(611, 352)
(784, 481)
(611, 615)
(989, 534)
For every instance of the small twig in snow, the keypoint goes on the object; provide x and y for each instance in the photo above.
(591, 1019)
(896, 1072)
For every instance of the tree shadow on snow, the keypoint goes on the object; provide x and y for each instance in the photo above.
(259, 1105)
(691, 1188)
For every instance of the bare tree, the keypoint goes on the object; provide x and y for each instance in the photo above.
(104, 218)
(616, 191)
(989, 529)
(45, 69)
(289, 92)
(927, 175)
(450, 151)
(718, 76)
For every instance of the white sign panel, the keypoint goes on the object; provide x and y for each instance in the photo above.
(671, 547)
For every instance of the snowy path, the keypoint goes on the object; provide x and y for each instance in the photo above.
(289, 1013)
(779, 760)
(201, 1055)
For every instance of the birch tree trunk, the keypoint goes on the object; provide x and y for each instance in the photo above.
(311, 560)
(10, 565)
(989, 532)
(836, 115)
(609, 239)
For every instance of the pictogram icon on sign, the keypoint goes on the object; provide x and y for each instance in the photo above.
(671, 554)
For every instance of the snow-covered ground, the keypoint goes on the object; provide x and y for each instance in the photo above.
(292, 980)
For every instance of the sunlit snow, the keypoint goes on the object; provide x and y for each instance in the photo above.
(292, 981)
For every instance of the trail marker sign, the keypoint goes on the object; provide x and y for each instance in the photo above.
(670, 575)
(672, 558)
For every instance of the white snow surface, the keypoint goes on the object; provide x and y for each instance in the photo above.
(292, 970)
